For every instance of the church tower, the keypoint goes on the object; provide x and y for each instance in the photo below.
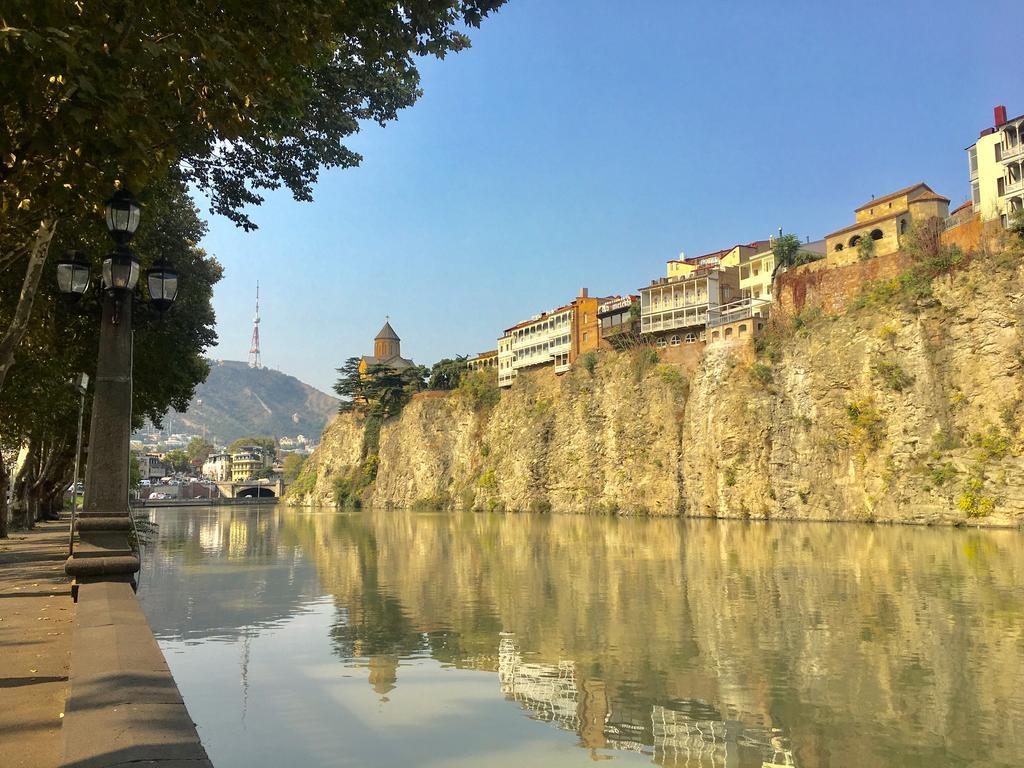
(387, 345)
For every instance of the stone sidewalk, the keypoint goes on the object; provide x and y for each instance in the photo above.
(36, 616)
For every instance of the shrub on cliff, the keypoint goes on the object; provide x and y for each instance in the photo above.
(892, 374)
(479, 390)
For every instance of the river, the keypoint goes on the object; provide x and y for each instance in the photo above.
(319, 638)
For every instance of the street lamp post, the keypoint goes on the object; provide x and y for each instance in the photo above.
(104, 552)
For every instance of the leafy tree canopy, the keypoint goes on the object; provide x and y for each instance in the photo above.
(447, 373)
(198, 450)
(268, 444)
(381, 391)
(177, 460)
(62, 340)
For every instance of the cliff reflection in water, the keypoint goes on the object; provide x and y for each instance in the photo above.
(697, 643)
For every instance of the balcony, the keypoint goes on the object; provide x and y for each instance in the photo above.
(671, 319)
(1011, 153)
(743, 309)
(1014, 187)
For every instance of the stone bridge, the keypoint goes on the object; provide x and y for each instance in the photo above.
(251, 489)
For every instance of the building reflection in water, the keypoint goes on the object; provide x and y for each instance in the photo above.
(691, 733)
(704, 644)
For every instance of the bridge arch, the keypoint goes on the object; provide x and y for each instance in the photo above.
(256, 491)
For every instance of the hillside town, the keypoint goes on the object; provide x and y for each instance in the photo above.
(726, 295)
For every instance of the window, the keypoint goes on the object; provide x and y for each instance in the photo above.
(903, 226)
(674, 341)
(690, 338)
(585, 337)
(854, 240)
(975, 193)
(972, 159)
(743, 329)
(876, 234)
(839, 247)
(661, 343)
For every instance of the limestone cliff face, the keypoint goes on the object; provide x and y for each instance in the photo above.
(886, 412)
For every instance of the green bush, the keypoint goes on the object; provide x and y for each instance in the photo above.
(304, 483)
(479, 389)
(941, 474)
(487, 480)
(539, 507)
(588, 361)
(992, 443)
(644, 359)
(973, 502)
(432, 503)
(865, 248)
(769, 344)
(762, 373)
(729, 476)
(868, 424)
(892, 374)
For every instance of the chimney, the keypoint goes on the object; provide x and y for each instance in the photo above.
(584, 293)
(1000, 115)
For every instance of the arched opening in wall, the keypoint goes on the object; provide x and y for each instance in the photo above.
(760, 326)
(252, 493)
(715, 336)
(690, 338)
(661, 343)
(854, 240)
(674, 341)
(876, 234)
(728, 333)
(743, 329)
(903, 226)
(838, 248)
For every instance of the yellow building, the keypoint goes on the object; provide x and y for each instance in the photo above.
(248, 462)
(485, 361)
(886, 220)
(996, 162)
(723, 259)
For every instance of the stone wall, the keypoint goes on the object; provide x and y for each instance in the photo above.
(831, 288)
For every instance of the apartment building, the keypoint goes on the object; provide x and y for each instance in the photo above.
(996, 164)
(544, 339)
(217, 467)
(506, 373)
(554, 338)
(723, 259)
(674, 309)
(617, 323)
(248, 461)
(151, 467)
(886, 220)
(484, 361)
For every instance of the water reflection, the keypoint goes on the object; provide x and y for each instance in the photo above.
(678, 643)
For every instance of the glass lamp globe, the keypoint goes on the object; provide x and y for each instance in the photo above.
(73, 275)
(162, 280)
(122, 215)
(120, 270)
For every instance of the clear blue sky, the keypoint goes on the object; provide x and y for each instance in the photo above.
(584, 143)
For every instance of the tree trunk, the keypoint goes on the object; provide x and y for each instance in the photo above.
(5, 485)
(20, 517)
(33, 271)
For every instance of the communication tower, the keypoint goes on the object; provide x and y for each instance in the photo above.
(254, 348)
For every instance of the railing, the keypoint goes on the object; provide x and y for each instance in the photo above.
(1016, 186)
(1010, 152)
(737, 310)
(671, 319)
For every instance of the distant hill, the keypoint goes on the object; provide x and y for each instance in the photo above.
(237, 401)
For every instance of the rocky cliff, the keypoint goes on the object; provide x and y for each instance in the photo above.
(903, 406)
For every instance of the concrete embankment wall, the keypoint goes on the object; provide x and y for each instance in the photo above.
(124, 706)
